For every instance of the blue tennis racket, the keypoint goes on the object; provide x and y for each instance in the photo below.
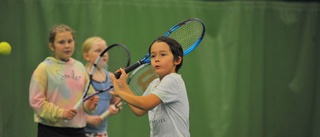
(189, 33)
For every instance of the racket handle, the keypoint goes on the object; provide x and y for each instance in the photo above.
(129, 68)
(105, 114)
(77, 106)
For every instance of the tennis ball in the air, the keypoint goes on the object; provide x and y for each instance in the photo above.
(5, 48)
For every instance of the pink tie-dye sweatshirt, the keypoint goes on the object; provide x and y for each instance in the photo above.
(56, 85)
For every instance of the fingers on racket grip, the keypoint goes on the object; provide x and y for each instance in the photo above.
(128, 69)
(117, 75)
(105, 114)
(76, 107)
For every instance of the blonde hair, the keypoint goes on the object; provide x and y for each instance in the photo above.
(59, 28)
(86, 46)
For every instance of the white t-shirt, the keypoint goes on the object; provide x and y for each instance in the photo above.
(171, 117)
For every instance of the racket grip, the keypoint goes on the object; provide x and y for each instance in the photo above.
(105, 114)
(129, 69)
(77, 106)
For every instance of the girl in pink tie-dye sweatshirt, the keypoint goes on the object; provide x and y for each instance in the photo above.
(57, 84)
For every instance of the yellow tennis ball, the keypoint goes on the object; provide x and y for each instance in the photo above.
(5, 48)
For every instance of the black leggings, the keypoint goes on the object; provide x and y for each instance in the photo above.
(49, 131)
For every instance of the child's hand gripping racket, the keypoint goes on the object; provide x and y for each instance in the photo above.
(138, 82)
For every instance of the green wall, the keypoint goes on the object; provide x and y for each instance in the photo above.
(255, 74)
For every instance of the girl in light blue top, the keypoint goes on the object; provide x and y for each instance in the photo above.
(96, 126)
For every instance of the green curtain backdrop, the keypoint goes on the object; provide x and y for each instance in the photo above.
(256, 73)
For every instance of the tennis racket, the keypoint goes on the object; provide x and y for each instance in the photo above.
(140, 78)
(111, 59)
(138, 82)
(189, 33)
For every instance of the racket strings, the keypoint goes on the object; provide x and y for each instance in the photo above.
(140, 79)
(115, 58)
(100, 70)
(118, 58)
(188, 34)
